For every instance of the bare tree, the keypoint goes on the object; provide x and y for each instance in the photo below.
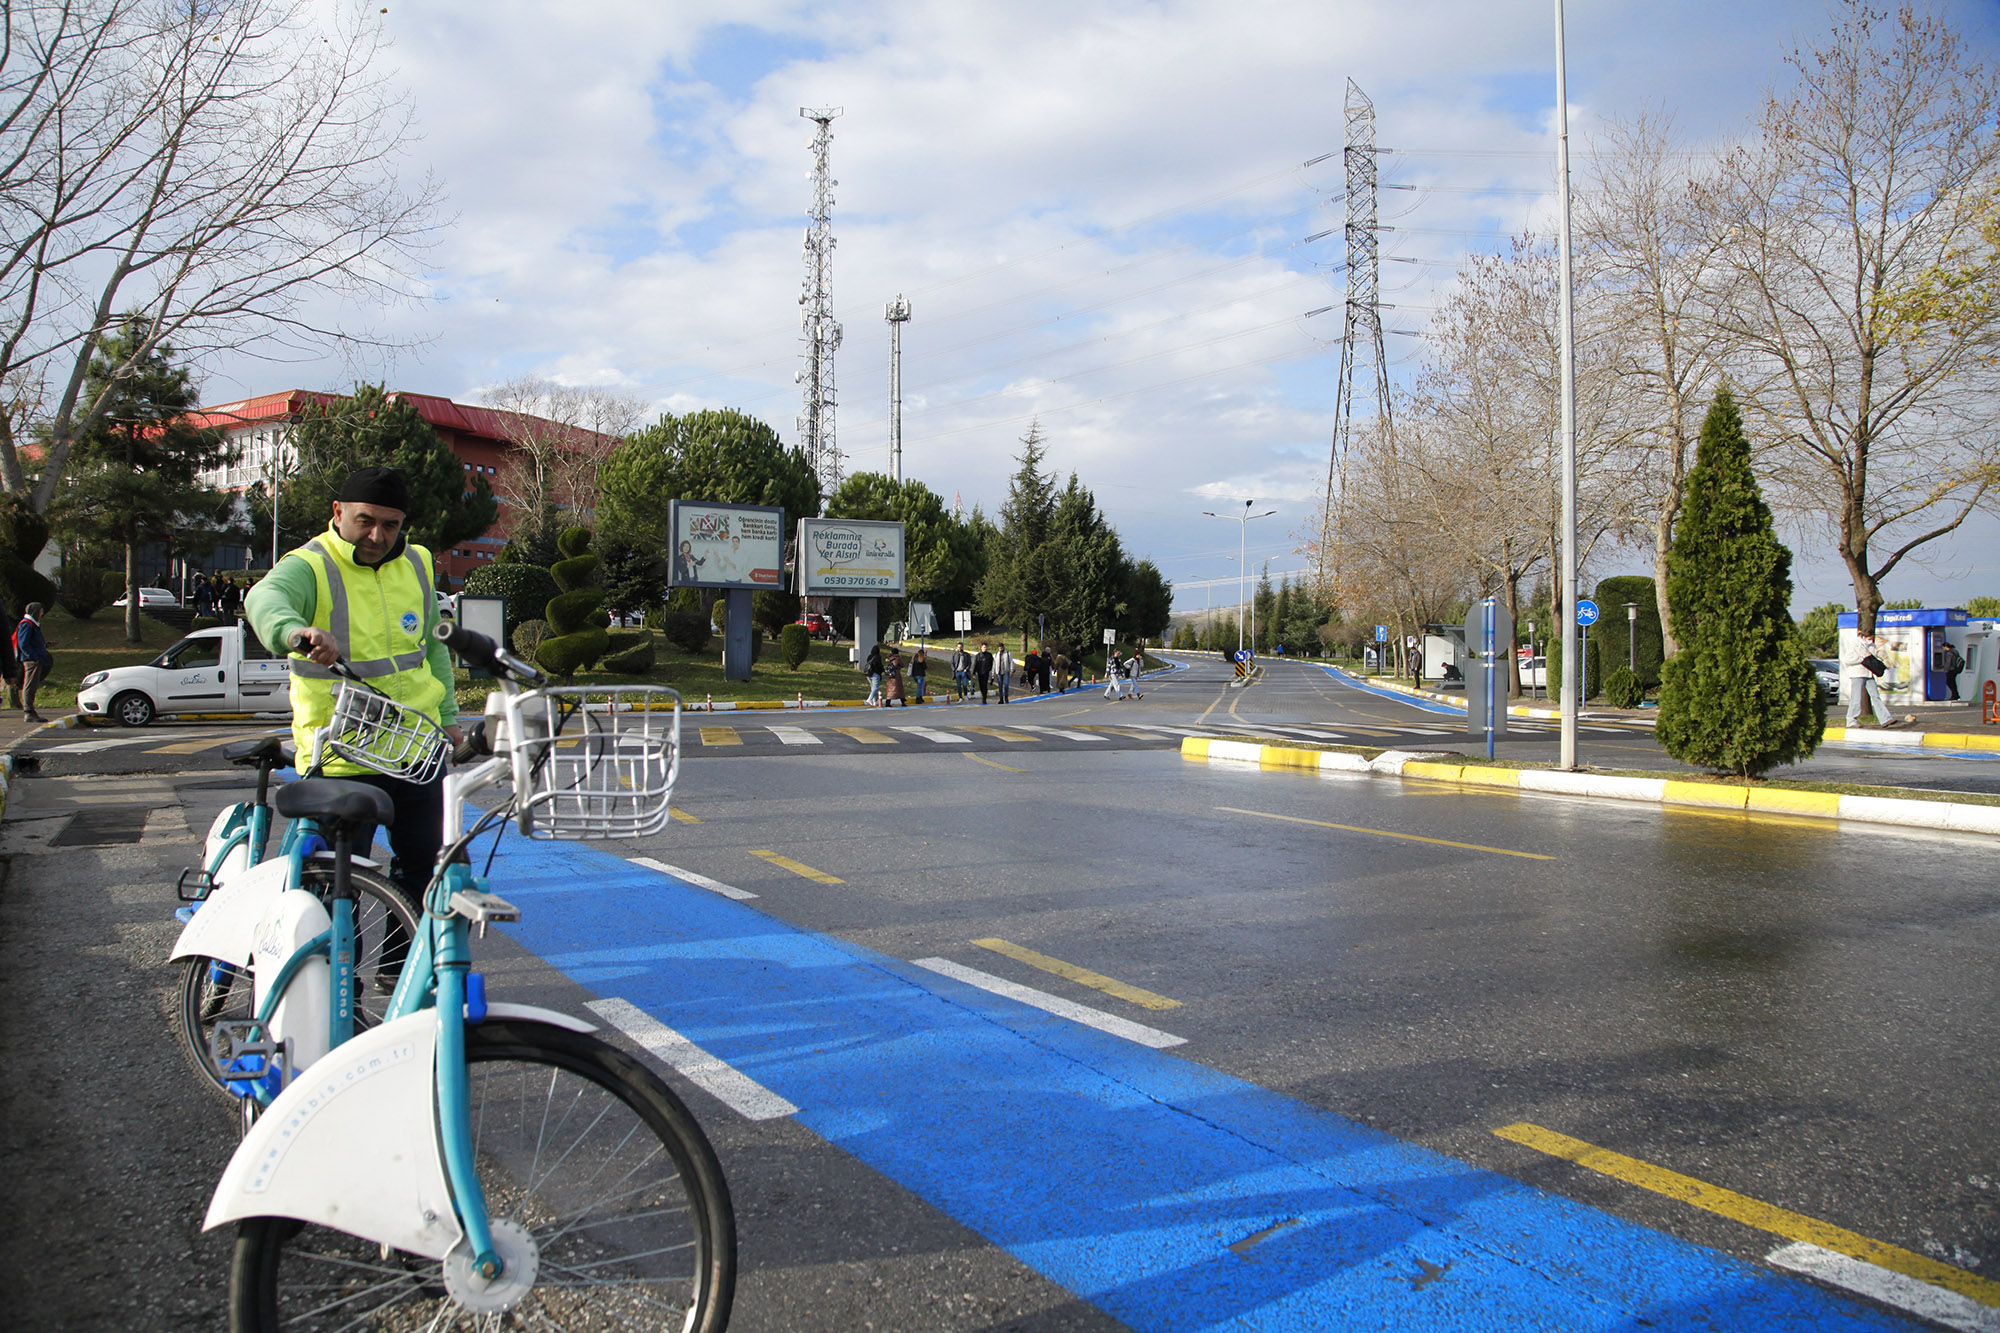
(1652, 265)
(202, 173)
(1875, 171)
(561, 434)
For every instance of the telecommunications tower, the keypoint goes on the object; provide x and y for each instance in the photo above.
(897, 312)
(822, 331)
(1361, 335)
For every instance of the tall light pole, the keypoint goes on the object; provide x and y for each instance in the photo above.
(1243, 552)
(1566, 596)
(897, 312)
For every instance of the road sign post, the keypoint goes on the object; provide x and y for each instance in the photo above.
(1487, 627)
(1586, 616)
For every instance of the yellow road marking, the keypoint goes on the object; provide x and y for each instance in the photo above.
(191, 747)
(682, 815)
(999, 733)
(866, 736)
(797, 867)
(1078, 713)
(720, 736)
(990, 764)
(1753, 1212)
(1083, 976)
(1385, 833)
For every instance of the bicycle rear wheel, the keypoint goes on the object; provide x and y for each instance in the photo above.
(580, 1147)
(211, 990)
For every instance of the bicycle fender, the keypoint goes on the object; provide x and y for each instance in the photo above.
(296, 918)
(536, 1014)
(226, 925)
(352, 1144)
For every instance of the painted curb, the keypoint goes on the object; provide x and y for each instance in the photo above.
(1944, 816)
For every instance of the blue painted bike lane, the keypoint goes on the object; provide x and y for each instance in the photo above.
(1171, 1196)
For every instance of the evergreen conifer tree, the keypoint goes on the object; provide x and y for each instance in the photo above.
(1740, 695)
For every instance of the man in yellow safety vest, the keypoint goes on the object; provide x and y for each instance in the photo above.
(362, 591)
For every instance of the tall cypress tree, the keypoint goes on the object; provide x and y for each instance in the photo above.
(1020, 578)
(1740, 695)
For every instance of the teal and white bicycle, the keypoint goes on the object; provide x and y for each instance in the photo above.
(468, 1163)
(238, 883)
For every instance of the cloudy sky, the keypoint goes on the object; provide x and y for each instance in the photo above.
(1107, 216)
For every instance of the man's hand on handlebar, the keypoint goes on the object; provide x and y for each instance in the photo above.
(317, 645)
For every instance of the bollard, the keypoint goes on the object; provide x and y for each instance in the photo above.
(802, 699)
(711, 703)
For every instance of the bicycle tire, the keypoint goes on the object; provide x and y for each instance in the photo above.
(211, 990)
(597, 1127)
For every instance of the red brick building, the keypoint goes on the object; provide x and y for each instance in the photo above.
(483, 438)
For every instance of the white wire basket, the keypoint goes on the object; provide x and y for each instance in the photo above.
(371, 729)
(593, 762)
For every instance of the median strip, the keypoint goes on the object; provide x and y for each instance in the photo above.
(1945, 816)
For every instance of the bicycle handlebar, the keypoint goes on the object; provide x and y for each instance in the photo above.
(476, 650)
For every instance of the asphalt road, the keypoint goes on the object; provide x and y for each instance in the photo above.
(1317, 976)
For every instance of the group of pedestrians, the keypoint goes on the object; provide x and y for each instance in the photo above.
(992, 674)
(223, 597)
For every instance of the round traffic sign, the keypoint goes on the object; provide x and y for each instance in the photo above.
(1586, 612)
(1242, 654)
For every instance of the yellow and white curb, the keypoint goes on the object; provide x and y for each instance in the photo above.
(1942, 815)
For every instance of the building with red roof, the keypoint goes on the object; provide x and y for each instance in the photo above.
(485, 439)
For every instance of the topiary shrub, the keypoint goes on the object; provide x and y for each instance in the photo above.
(527, 637)
(632, 654)
(686, 630)
(576, 614)
(1622, 688)
(203, 622)
(527, 589)
(795, 645)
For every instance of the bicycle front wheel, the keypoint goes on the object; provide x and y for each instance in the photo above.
(578, 1146)
(211, 990)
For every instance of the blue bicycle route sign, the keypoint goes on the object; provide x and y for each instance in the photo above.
(1586, 612)
(1381, 634)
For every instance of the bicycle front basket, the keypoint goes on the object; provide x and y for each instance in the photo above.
(371, 729)
(594, 762)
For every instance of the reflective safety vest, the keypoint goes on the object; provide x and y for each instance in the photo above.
(380, 618)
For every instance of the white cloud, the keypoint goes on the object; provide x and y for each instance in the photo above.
(1096, 210)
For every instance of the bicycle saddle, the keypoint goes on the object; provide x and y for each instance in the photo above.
(266, 749)
(335, 801)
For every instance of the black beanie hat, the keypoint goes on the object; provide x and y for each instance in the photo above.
(376, 486)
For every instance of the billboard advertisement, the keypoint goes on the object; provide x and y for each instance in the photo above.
(726, 546)
(850, 557)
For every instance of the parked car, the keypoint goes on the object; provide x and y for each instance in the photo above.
(1827, 669)
(1534, 673)
(447, 605)
(818, 626)
(224, 670)
(152, 597)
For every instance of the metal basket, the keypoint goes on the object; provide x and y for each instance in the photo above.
(371, 729)
(594, 762)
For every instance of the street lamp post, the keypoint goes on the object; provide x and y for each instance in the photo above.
(1242, 559)
(1632, 637)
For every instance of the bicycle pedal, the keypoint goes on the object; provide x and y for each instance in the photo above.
(194, 885)
(250, 1061)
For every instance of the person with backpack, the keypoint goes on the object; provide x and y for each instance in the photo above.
(873, 667)
(31, 649)
(1949, 662)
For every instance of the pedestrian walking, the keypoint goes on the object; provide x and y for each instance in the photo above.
(982, 670)
(33, 651)
(203, 596)
(919, 668)
(892, 680)
(1114, 675)
(1003, 669)
(8, 662)
(1044, 668)
(1863, 663)
(873, 666)
(1949, 663)
(961, 671)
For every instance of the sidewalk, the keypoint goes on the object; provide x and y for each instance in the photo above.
(1953, 726)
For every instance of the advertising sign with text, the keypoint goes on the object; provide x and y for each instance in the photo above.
(726, 546)
(850, 557)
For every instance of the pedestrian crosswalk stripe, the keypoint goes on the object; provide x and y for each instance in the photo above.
(720, 736)
(866, 735)
(791, 735)
(1058, 731)
(999, 733)
(938, 737)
